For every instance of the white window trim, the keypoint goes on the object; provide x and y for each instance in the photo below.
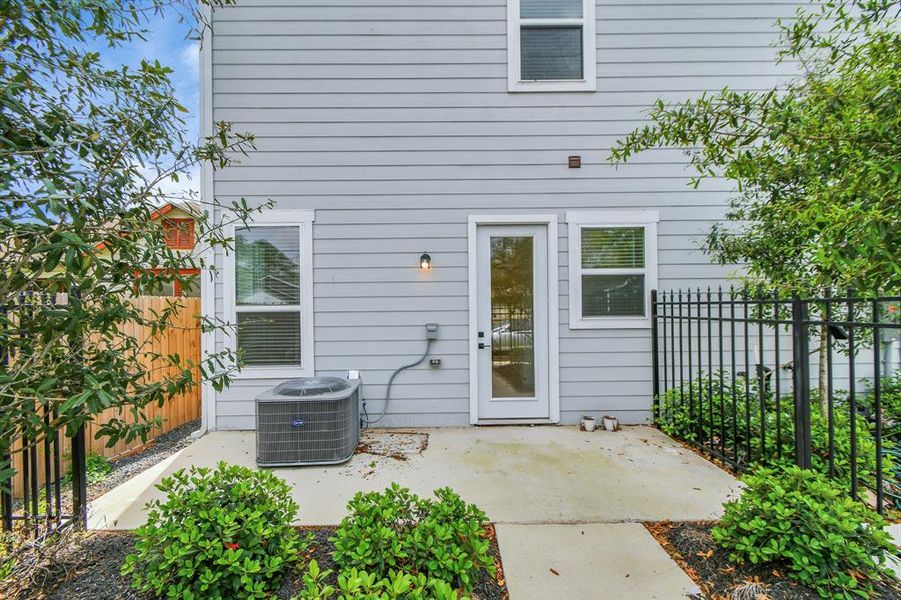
(647, 219)
(588, 83)
(303, 219)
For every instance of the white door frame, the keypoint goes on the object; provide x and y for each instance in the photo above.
(550, 221)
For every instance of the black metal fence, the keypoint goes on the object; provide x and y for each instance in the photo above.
(756, 378)
(48, 489)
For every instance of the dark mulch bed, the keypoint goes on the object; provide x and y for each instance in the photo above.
(94, 569)
(77, 565)
(691, 545)
(89, 570)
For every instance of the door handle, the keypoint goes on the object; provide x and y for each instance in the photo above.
(483, 345)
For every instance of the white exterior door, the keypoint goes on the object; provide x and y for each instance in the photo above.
(512, 338)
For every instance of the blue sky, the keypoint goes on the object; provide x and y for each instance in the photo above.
(166, 42)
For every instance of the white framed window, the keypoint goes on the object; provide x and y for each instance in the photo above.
(268, 290)
(551, 46)
(612, 268)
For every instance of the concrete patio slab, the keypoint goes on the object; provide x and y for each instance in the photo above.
(595, 560)
(516, 474)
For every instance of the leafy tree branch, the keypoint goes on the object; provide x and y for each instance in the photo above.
(87, 152)
(816, 160)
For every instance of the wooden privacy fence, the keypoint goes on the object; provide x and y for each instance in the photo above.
(182, 338)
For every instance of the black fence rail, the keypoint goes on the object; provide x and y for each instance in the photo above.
(754, 378)
(45, 483)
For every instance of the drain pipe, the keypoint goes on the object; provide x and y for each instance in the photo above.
(207, 257)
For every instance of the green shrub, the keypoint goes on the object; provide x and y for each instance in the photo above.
(686, 414)
(98, 468)
(866, 447)
(354, 584)
(889, 398)
(693, 412)
(803, 521)
(397, 530)
(223, 533)
(10, 549)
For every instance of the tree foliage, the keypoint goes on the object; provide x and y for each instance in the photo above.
(816, 160)
(87, 152)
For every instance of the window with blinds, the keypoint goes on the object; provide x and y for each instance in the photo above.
(612, 268)
(613, 272)
(552, 44)
(268, 295)
(551, 53)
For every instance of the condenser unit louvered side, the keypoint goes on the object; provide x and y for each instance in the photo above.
(308, 422)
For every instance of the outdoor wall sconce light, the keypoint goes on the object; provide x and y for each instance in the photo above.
(425, 262)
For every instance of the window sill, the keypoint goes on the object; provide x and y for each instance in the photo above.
(272, 373)
(582, 85)
(611, 323)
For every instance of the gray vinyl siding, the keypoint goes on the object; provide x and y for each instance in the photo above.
(393, 121)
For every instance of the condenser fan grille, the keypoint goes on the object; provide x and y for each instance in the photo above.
(311, 386)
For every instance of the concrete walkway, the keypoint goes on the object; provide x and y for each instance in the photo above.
(565, 502)
(591, 560)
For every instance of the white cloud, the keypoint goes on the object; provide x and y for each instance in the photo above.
(190, 58)
(186, 188)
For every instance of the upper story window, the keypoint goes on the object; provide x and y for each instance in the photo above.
(551, 45)
(612, 268)
(179, 233)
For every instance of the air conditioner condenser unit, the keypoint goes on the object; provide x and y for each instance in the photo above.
(309, 421)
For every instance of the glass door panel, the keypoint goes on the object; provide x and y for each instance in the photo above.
(512, 317)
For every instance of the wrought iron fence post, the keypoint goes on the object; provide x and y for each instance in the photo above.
(655, 390)
(79, 458)
(801, 372)
(6, 495)
(877, 407)
(79, 479)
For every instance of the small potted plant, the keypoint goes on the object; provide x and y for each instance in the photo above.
(589, 423)
(610, 423)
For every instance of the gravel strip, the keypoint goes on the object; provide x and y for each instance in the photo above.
(128, 466)
(154, 451)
